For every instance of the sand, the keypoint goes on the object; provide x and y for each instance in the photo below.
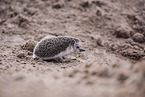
(111, 31)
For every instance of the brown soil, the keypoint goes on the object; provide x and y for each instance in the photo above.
(111, 31)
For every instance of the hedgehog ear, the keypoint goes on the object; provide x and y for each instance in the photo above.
(73, 42)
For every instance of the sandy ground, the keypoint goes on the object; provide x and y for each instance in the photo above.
(111, 31)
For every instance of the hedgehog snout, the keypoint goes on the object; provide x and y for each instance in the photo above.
(80, 49)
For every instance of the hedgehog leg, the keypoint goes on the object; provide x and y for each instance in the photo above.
(34, 57)
(60, 59)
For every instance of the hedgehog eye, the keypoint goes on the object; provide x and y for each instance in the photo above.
(77, 47)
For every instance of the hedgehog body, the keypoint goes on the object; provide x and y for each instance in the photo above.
(55, 47)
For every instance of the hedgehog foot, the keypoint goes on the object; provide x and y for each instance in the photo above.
(59, 59)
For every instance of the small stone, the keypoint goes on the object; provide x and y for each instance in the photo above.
(73, 58)
(29, 46)
(21, 55)
(22, 20)
(115, 65)
(100, 42)
(85, 77)
(63, 67)
(122, 33)
(35, 21)
(33, 63)
(122, 77)
(114, 47)
(30, 53)
(24, 25)
(99, 12)
(17, 61)
(71, 75)
(19, 77)
(89, 82)
(39, 63)
(104, 73)
(138, 37)
(129, 40)
(28, 57)
(86, 71)
(57, 5)
(132, 33)
(85, 4)
(94, 73)
(24, 63)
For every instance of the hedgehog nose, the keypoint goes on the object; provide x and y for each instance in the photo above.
(81, 49)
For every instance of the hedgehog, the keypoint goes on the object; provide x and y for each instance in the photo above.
(56, 47)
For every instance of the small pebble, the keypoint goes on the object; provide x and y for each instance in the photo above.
(29, 46)
(30, 53)
(21, 55)
(19, 77)
(85, 4)
(100, 42)
(73, 58)
(57, 5)
(122, 77)
(129, 40)
(122, 33)
(138, 37)
(89, 82)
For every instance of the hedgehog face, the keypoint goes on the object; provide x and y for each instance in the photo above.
(78, 48)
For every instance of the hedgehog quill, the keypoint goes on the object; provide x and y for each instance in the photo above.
(56, 47)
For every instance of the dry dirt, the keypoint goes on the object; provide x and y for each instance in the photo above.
(111, 31)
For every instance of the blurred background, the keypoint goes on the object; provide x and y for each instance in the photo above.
(111, 31)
